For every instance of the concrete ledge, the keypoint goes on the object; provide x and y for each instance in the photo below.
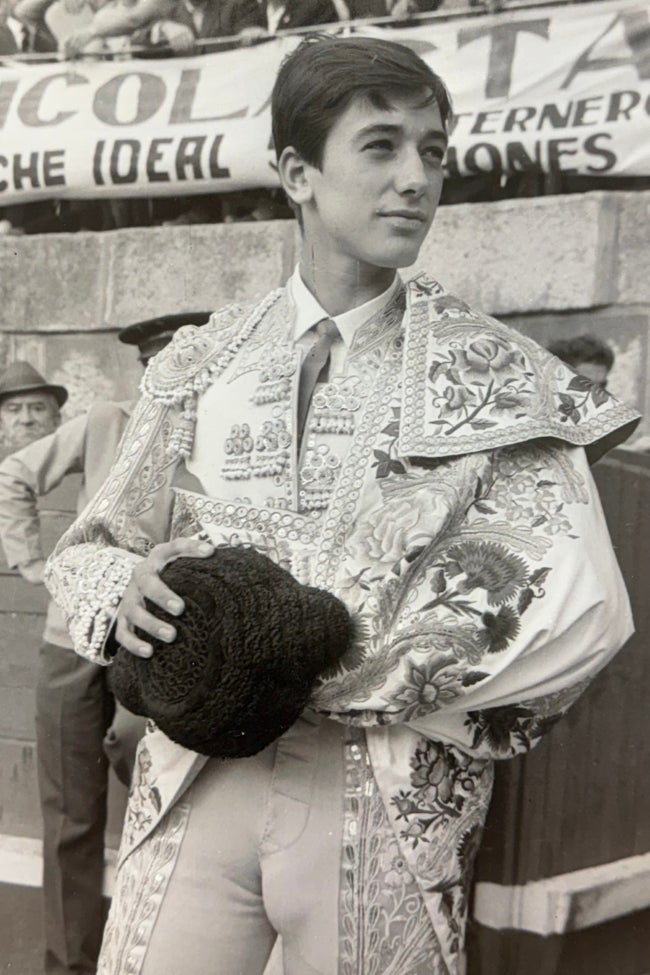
(633, 249)
(514, 256)
(543, 253)
(20, 811)
(152, 271)
(567, 902)
(52, 282)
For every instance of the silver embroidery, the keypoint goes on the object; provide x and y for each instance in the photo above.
(140, 887)
(384, 925)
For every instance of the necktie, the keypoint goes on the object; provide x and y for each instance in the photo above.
(313, 365)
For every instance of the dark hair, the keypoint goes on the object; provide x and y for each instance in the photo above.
(317, 82)
(583, 348)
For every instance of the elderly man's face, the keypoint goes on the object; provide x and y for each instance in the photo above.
(25, 417)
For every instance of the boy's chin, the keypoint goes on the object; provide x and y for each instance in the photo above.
(398, 257)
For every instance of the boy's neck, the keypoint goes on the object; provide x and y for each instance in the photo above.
(342, 285)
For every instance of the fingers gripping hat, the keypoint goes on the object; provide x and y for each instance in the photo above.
(249, 646)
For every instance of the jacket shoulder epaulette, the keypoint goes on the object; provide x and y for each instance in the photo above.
(473, 383)
(185, 366)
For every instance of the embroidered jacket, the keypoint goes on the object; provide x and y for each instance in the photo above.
(441, 492)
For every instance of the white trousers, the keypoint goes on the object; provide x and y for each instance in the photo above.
(261, 847)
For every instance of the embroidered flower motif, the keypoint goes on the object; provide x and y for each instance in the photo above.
(468, 848)
(394, 867)
(429, 686)
(509, 399)
(456, 397)
(486, 356)
(504, 730)
(404, 804)
(489, 566)
(414, 831)
(501, 629)
(144, 796)
(411, 515)
(429, 766)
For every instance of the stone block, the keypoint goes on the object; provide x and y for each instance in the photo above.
(633, 248)
(523, 255)
(166, 269)
(19, 643)
(19, 806)
(51, 282)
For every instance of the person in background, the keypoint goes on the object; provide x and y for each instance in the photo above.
(192, 21)
(114, 25)
(386, 443)
(31, 31)
(400, 9)
(587, 354)
(29, 406)
(79, 730)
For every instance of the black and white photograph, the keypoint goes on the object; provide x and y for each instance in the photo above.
(324, 487)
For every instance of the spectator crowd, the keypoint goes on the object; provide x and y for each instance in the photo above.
(150, 27)
(120, 29)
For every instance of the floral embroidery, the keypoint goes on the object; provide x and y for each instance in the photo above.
(439, 557)
(488, 566)
(509, 730)
(500, 630)
(132, 919)
(442, 780)
(573, 408)
(488, 386)
(429, 686)
(144, 797)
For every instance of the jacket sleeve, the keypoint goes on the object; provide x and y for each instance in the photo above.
(498, 601)
(91, 566)
(29, 474)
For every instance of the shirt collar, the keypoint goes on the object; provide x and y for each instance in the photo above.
(309, 311)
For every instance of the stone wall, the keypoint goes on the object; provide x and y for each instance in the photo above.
(552, 266)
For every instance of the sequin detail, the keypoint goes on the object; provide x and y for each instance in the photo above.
(383, 921)
(334, 407)
(238, 449)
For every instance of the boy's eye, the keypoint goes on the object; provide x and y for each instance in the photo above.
(434, 153)
(381, 144)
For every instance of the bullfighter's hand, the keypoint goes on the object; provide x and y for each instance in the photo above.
(146, 584)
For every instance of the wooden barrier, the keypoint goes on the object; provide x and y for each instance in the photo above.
(563, 877)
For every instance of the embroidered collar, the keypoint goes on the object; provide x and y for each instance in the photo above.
(309, 311)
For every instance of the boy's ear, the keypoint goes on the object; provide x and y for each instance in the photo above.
(294, 176)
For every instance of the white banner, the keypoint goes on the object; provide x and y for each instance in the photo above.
(548, 88)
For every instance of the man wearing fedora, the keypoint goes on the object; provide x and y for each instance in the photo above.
(79, 730)
(29, 406)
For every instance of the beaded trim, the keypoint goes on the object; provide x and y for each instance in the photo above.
(141, 883)
(318, 477)
(334, 407)
(101, 578)
(344, 499)
(189, 366)
(271, 522)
